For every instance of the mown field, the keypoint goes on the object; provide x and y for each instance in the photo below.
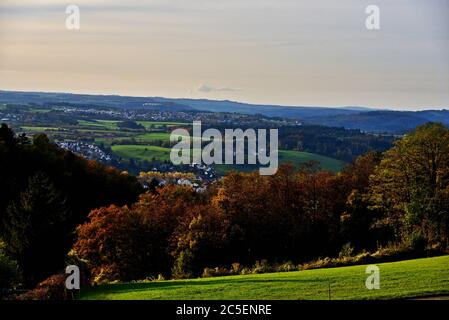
(398, 280)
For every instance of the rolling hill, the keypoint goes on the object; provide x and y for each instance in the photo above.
(351, 117)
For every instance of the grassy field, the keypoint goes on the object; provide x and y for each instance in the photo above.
(142, 152)
(297, 157)
(107, 131)
(153, 136)
(40, 129)
(163, 136)
(148, 153)
(106, 124)
(149, 125)
(404, 279)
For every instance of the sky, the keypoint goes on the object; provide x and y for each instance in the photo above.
(285, 52)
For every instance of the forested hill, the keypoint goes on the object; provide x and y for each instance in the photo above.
(384, 121)
(365, 119)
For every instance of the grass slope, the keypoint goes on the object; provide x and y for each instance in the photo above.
(404, 279)
(142, 152)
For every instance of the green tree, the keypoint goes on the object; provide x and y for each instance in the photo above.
(411, 184)
(35, 230)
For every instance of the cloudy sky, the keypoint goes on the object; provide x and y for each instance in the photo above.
(291, 52)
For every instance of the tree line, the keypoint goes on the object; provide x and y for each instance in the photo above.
(45, 193)
(400, 196)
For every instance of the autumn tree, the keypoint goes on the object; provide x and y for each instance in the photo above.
(357, 217)
(411, 184)
(126, 243)
(200, 241)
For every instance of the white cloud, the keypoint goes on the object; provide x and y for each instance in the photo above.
(208, 88)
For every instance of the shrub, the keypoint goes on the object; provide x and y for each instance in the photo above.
(105, 275)
(262, 267)
(182, 265)
(286, 267)
(346, 251)
(52, 288)
(9, 274)
(73, 259)
(206, 273)
(236, 268)
(418, 242)
(216, 272)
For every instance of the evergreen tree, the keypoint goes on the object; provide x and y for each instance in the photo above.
(36, 234)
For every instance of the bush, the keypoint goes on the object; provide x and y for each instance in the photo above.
(418, 242)
(262, 267)
(286, 267)
(346, 251)
(73, 259)
(216, 272)
(392, 252)
(182, 266)
(52, 288)
(236, 268)
(9, 274)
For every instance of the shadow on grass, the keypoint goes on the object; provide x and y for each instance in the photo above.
(168, 285)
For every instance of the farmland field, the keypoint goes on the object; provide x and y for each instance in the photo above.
(404, 279)
(40, 129)
(106, 124)
(142, 152)
(149, 125)
(146, 146)
(297, 157)
(153, 136)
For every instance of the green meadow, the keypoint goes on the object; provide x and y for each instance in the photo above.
(103, 124)
(149, 153)
(151, 125)
(398, 280)
(141, 152)
(108, 133)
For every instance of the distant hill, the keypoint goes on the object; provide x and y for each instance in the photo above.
(351, 117)
(383, 121)
(44, 98)
(301, 113)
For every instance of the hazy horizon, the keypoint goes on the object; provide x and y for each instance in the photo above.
(235, 101)
(271, 52)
